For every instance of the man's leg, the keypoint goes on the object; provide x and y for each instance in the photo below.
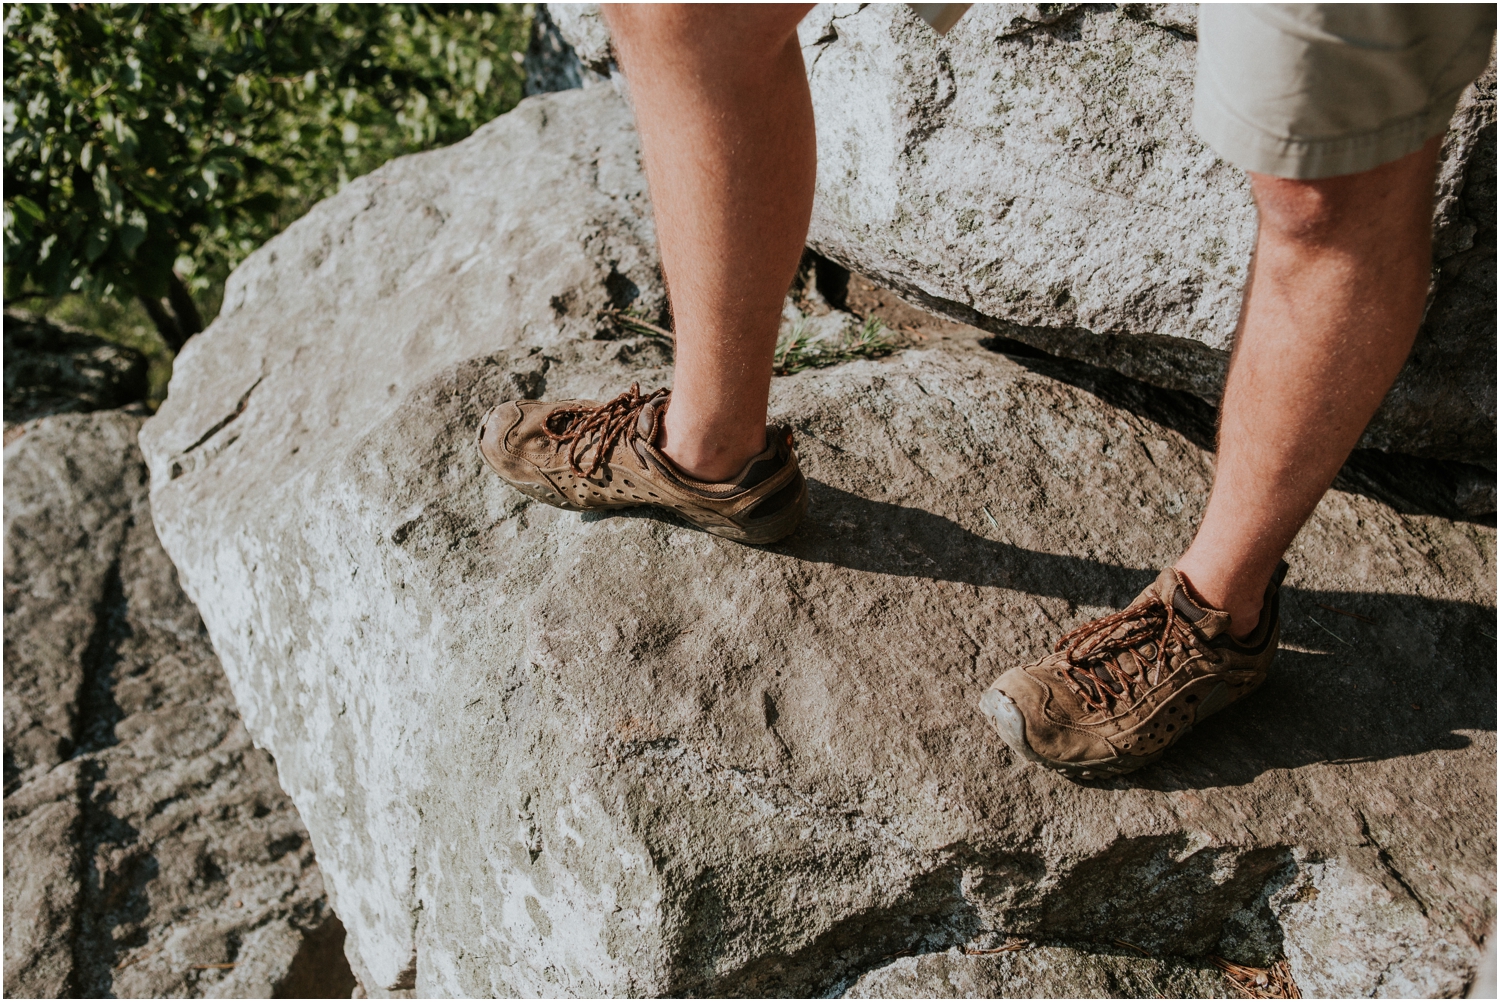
(1336, 293)
(725, 120)
(726, 125)
(1337, 289)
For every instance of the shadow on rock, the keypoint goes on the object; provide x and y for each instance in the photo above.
(319, 969)
(1410, 484)
(118, 870)
(885, 538)
(1409, 676)
(1361, 675)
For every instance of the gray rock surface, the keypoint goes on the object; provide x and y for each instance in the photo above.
(54, 369)
(148, 848)
(582, 29)
(1034, 173)
(1046, 972)
(545, 754)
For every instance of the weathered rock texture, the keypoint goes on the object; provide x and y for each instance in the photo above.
(52, 369)
(1039, 973)
(1034, 173)
(545, 754)
(148, 848)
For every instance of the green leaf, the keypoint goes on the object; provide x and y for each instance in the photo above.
(29, 207)
(133, 233)
(152, 201)
(98, 242)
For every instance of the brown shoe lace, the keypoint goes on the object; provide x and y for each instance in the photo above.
(610, 421)
(1097, 671)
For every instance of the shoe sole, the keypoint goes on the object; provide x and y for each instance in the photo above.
(774, 529)
(1011, 723)
(777, 528)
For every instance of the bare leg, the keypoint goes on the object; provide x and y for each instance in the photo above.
(1335, 297)
(726, 124)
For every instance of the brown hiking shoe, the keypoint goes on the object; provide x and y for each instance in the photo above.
(581, 455)
(1118, 692)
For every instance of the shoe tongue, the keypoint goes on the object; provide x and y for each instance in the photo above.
(1173, 589)
(648, 425)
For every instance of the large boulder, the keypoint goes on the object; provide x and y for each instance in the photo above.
(540, 753)
(149, 851)
(1034, 173)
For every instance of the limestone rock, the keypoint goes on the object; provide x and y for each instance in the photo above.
(53, 369)
(148, 848)
(582, 28)
(68, 510)
(1034, 173)
(42, 886)
(1451, 370)
(546, 754)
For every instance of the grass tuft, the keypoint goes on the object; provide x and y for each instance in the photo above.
(799, 349)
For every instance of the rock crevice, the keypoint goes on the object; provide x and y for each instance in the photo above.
(149, 849)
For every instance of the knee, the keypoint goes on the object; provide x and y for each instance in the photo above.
(1393, 200)
(1310, 212)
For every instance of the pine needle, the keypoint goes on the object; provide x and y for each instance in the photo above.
(635, 323)
(1274, 982)
(1011, 945)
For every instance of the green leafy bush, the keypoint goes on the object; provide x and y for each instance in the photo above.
(150, 147)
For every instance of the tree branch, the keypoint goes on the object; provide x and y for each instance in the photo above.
(189, 320)
(166, 323)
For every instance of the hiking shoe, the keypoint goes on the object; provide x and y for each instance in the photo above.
(1119, 691)
(586, 456)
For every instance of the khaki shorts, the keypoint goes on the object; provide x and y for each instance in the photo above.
(1316, 90)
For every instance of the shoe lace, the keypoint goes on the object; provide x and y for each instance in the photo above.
(1098, 670)
(610, 421)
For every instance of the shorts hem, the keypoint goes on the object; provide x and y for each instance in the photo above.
(1254, 149)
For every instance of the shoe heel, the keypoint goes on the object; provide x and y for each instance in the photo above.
(773, 529)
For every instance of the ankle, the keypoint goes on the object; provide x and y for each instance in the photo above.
(1244, 618)
(711, 459)
(1239, 597)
